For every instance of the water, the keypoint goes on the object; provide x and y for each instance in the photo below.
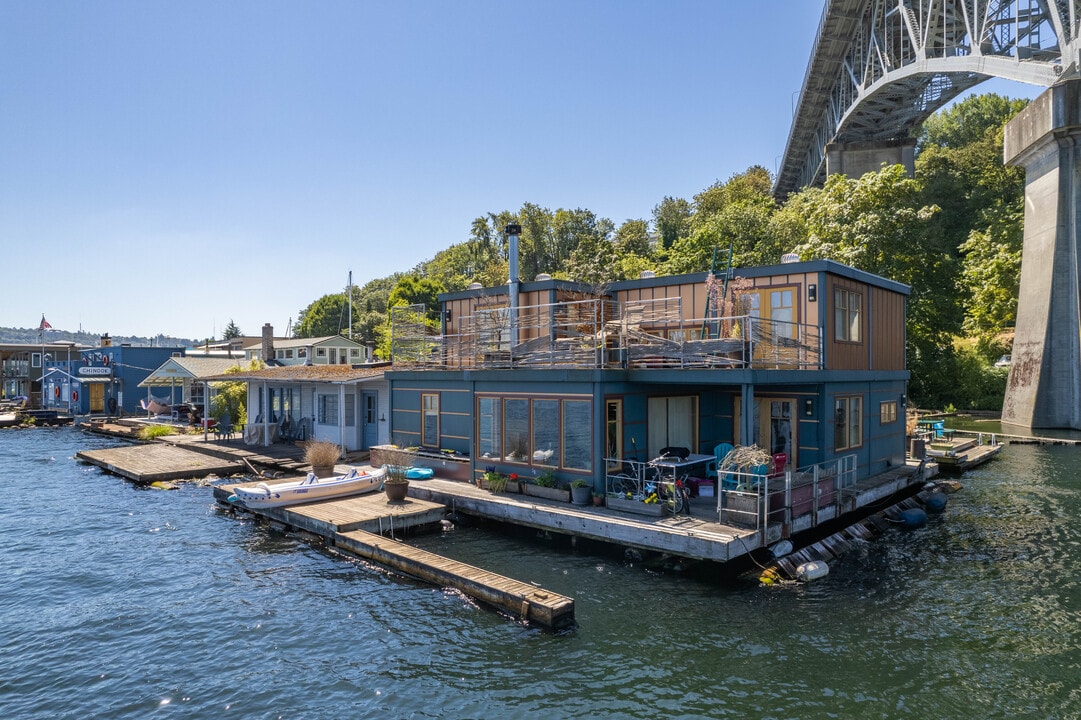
(121, 602)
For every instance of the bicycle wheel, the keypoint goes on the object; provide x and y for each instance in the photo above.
(675, 501)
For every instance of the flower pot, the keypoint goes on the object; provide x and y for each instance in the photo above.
(581, 495)
(547, 493)
(323, 471)
(598, 501)
(396, 491)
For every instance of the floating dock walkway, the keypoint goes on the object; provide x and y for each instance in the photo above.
(156, 462)
(356, 525)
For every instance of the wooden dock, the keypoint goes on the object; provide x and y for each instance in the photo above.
(356, 525)
(157, 461)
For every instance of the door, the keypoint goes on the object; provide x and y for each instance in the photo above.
(370, 404)
(97, 397)
(774, 427)
(672, 422)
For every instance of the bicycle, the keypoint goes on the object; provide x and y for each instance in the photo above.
(674, 493)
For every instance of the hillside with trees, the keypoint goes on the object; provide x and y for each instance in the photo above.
(952, 232)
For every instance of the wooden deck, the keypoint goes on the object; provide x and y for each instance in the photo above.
(356, 525)
(157, 461)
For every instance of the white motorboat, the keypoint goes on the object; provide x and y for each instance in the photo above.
(264, 494)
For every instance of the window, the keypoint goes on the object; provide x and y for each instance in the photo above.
(577, 448)
(289, 353)
(489, 427)
(350, 410)
(429, 432)
(541, 432)
(848, 423)
(781, 313)
(613, 412)
(302, 352)
(35, 360)
(354, 353)
(546, 433)
(320, 352)
(328, 410)
(846, 309)
(887, 412)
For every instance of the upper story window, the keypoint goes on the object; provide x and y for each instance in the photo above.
(847, 308)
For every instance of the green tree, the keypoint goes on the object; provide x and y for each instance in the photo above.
(672, 219)
(324, 317)
(231, 331)
(413, 290)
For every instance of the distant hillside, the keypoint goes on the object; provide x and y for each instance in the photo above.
(30, 335)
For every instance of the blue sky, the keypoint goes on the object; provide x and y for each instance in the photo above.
(167, 167)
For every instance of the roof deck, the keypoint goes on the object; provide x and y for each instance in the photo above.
(601, 333)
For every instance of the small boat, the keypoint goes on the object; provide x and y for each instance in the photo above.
(8, 419)
(264, 495)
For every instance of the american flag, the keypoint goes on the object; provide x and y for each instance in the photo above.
(44, 325)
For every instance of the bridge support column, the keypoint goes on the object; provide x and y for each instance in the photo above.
(856, 159)
(1044, 386)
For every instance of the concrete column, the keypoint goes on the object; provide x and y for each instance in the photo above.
(856, 159)
(1044, 386)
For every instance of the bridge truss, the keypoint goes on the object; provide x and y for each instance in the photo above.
(879, 68)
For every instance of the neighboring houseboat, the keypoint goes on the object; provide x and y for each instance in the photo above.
(805, 360)
(343, 404)
(329, 350)
(179, 380)
(103, 380)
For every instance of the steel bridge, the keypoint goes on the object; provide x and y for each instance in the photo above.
(879, 68)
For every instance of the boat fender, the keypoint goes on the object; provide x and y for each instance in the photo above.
(936, 502)
(779, 550)
(812, 570)
(913, 518)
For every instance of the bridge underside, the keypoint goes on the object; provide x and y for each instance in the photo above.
(879, 68)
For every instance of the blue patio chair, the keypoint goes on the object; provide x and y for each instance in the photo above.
(224, 429)
(720, 452)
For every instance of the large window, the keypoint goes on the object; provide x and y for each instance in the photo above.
(613, 412)
(848, 422)
(350, 410)
(847, 307)
(429, 431)
(541, 432)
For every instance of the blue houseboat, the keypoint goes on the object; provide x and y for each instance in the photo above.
(804, 360)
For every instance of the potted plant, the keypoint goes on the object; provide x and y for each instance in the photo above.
(581, 491)
(397, 462)
(492, 480)
(322, 456)
(598, 500)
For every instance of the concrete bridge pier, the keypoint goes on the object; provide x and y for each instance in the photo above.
(1044, 387)
(856, 159)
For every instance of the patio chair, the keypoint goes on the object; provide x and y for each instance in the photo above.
(224, 429)
(720, 452)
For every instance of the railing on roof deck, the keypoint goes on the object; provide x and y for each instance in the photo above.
(597, 333)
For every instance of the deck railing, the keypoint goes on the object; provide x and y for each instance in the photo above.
(809, 494)
(598, 333)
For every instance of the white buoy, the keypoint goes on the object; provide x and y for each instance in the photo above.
(779, 550)
(812, 570)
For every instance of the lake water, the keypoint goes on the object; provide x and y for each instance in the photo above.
(121, 602)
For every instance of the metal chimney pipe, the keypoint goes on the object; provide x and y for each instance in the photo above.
(513, 230)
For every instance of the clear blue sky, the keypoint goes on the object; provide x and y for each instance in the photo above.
(168, 166)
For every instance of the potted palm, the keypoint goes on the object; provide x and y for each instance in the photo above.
(397, 461)
(322, 456)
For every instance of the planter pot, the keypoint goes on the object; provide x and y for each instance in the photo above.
(511, 486)
(598, 501)
(547, 493)
(635, 506)
(581, 495)
(396, 491)
(323, 471)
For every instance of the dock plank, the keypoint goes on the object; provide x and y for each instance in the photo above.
(155, 462)
(533, 604)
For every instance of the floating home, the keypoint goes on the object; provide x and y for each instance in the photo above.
(804, 360)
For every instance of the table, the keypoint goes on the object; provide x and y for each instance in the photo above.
(685, 464)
